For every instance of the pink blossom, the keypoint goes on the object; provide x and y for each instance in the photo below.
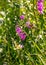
(22, 17)
(18, 29)
(28, 24)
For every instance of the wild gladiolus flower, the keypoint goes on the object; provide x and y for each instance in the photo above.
(40, 6)
(20, 33)
(22, 17)
(28, 24)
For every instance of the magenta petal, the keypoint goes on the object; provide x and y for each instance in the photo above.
(40, 4)
(40, 8)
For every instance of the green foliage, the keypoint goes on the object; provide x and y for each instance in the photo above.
(34, 51)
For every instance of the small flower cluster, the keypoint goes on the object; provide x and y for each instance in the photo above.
(40, 6)
(20, 33)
